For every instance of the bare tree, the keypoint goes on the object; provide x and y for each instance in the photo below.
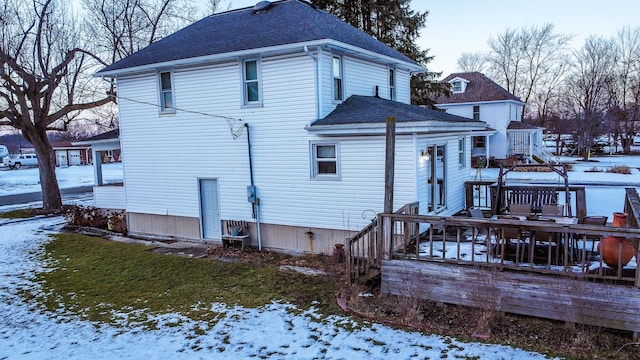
(43, 68)
(469, 62)
(120, 28)
(528, 60)
(590, 80)
(626, 90)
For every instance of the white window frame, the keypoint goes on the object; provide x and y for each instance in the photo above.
(462, 157)
(456, 86)
(315, 169)
(476, 114)
(246, 82)
(164, 109)
(337, 77)
(392, 84)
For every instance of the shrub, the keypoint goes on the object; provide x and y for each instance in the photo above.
(593, 169)
(620, 169)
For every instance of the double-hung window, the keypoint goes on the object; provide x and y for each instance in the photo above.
(251, 81)
(476, 112)
(325, 160)
(337, 79)
(166, 91)
(461, 157)
(392, 84)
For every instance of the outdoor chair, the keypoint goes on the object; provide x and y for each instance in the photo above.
(552, 210)
(592, 220)
(520, 209)
(548, 237)
(507, 235)
(477, 213)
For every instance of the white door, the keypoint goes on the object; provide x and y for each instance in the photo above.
(74, 157)
(210, 209)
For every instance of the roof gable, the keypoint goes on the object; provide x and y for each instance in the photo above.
(373, 110)
(285, 22)
(479, 88)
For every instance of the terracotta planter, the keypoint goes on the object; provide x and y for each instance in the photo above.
(616, 250)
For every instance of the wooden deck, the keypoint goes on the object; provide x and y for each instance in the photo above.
(449, 263)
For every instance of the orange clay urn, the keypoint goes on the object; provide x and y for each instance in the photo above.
(616, 250)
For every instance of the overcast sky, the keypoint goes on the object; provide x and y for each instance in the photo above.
(457, 26)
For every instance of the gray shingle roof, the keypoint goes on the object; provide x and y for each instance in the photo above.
(518, 125)
(480, 88)
(283, 23)
(370, 110)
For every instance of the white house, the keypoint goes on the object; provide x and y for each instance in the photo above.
(275, 115)
(475, 96)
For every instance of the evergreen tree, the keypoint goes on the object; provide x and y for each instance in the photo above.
(394, 23)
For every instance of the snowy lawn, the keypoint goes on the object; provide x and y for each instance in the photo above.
(278, 330)
(27, 180)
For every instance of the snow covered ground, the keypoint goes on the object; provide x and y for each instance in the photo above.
(28, 331)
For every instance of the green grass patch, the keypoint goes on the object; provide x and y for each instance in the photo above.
(93, 277)
(18, 214)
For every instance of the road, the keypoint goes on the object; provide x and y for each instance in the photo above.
(37, 196)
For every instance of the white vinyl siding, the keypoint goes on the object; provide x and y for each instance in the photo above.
(165, 156)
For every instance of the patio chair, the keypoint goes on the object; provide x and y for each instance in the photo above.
(552, 210)
(520, 209)
(545, 236)
(477, 213)
(506, 235)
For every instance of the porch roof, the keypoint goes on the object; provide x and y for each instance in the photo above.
(519, 125)
(369, 113)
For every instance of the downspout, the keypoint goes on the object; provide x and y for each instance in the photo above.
(317, 82)
(255, 205)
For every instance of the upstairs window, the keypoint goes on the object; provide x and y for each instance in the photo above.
(392, 84)
(456, 86)
(166, 92)
(337, 78)
(325, 160)
(251, 80)
(476, 112)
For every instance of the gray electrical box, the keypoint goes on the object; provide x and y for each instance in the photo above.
(251, 194)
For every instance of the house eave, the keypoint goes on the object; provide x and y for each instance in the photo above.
(482, 102)
(96, 142)
(418, 127)
(272, 50)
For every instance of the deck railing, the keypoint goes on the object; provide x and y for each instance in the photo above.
(564, 249)
(364, 253)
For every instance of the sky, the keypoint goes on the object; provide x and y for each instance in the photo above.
(457, 26)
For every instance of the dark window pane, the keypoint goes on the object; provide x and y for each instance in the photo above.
(327, 167)
(167, 100)
(251, 70)
(252, 91)
(165, 79)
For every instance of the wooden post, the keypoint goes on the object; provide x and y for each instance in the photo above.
(389, 164)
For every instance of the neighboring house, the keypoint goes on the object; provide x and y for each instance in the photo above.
(475, 96)
(67, 153)
(105, 147)
(275, 115)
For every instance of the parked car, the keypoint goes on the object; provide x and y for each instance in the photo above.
(18, 161)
